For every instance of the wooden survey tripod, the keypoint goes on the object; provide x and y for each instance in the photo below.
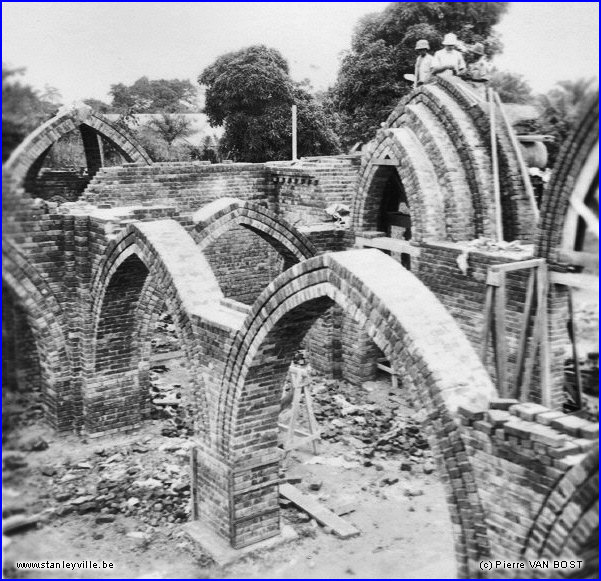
(301, 390)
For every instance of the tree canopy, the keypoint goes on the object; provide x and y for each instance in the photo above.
(250, 93)
(370, 80)
(512, 87)
(155, 96)
(23, 109)
(560, 109)
(171, 127)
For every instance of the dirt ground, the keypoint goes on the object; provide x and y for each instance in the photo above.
(401, 514)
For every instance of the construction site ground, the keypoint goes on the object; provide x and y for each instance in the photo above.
(124, 498)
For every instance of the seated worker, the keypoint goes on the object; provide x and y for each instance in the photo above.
(448, 61)
(423, 63)
(479, 70)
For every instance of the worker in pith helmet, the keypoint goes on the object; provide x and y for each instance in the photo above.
(479, 70)
(448, 60)
(423, 63)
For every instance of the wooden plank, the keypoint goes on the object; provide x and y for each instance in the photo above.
(573, 338)
(545, 356)
(530, 138)
(158, 357)
(385, 368)
(20, 521)
(577, 258)
(382, 161)
(289, 444)
(320, 513)
(511, 266)
(389, 244)
(390, 370)
(495, 167)
(501, 338)
(590, 218)
(313, 426)
(490, 290)
(575, 280)
(297, 431)
(518, 153)
(493, 278)
(523, 340)
(194, 489)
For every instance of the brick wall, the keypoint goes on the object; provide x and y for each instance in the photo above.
(243, 263)
(59, 185)
(22, 383)
(536, 476)
(186, 186)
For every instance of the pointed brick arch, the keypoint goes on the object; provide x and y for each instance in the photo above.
(568, 519)
(27, 159)
(404, 320)
(146, 261)
(438, 138)
(215, 218)
(61, 397)
(576, 171)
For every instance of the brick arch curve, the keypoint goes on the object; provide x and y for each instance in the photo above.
(426, 203)
(569, 515)
(27, 159)
(446, 133)
(405, 321)
(575, 171)
(219, 216)
(146, 259)
(62, 401)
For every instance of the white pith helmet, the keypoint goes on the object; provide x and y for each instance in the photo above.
(450, 39)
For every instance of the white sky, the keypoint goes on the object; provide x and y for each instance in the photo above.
(81, 48)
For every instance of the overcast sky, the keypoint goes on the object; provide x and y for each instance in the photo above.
(81, 48)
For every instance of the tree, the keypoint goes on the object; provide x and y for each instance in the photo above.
(560, 109)
(250, 92)
(512, 88)
(171, 127)
(98, 105)
(370, 80)
(158, 96)
(23, 110)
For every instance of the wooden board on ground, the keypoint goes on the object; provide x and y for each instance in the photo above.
(20, 521)
(320, 513)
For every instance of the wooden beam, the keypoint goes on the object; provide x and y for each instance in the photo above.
(501, 338)
(382, 161)
(573, 339)
(389, 244)
(523, 340)
(320, 513)
(578, 258)
(495, 167)
(158, 357)
(511, 266)
(545, 356)
(488, 304)
(518, 153)
(575, 280)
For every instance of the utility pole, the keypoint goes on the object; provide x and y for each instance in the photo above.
(294, 151)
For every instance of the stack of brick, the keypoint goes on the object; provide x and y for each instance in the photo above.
(520, 454)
